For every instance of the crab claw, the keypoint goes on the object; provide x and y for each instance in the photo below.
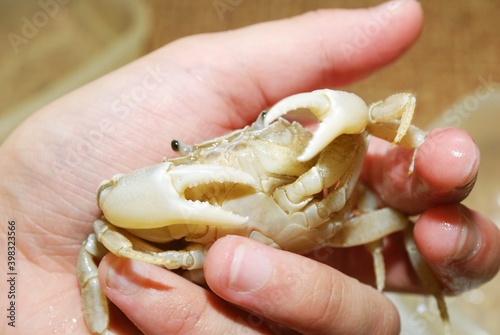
(154, 196)
(338, 113)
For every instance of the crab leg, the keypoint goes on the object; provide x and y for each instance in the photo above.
(375, 248)
(427, 278)
(390, 119)
(95, 303)
(369, 229)
(123, 244)
(119, 242)
(338, 113)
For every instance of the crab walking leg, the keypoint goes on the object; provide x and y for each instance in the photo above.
(123, 244)
(369, 229)
(118, 241)
(396, 107)
(367, 203)
(95, 303)
(390, 120)
(375, 248)
(338, 113)
(427, 278)
(413, 139)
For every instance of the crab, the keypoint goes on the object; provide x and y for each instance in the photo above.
(275, 181)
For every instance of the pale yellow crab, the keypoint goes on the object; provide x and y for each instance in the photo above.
(274, 181)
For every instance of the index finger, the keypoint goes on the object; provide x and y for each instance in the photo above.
(446, 167)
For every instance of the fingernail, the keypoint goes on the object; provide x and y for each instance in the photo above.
(468, 238)
(125, 275)
(250, 269)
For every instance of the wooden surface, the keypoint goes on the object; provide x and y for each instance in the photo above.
(459, 45)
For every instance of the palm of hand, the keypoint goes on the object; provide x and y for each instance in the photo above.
(52, 174)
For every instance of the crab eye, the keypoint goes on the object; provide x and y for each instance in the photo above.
(259, 123)
(180, 147)
(175, 145)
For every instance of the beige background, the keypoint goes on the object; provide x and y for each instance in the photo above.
(458, 50)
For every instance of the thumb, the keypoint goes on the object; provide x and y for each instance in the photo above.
(296, 291)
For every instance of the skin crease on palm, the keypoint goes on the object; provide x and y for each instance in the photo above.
(198, 88)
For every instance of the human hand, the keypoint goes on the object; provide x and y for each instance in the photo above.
(199, 88)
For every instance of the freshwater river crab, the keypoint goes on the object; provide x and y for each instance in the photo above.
(274, 181)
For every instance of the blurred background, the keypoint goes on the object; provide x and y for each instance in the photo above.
(50, 47)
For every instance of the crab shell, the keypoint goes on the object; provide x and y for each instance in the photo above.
(274, 181)
(263, 156)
